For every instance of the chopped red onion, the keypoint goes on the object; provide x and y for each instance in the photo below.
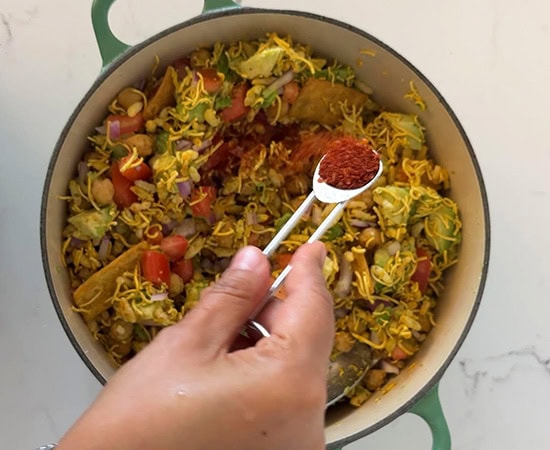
(363, 87)
(159, 297)
(286, 78)
(388, 367)
(101, 130)
(420, 337)
(371, 306)
(251, 218)
(168, 227)
(114, 129)
(340, 313)
(374, 337)
(212, 219)
(345, 277)
(359, 223)
(207, 265)
(204, 145)
(186, 228)
(185, 188)
(83, 173)
(195, 78)
(307, 213)
(393, 248)
(77, 243)
(183, 144)
(140, 84)
(316, 215)
(416, 229)
(104, 248)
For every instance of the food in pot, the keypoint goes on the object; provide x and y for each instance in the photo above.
(214, 152)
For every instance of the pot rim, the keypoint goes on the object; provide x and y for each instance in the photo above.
(429, 384)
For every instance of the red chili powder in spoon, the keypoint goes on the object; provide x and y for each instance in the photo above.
(349, 163)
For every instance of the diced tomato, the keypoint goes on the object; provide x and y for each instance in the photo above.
(139, 172)
(153, 234)
(237, 109)
(211, 79)
(204, 196)
(127, 124)
(423, 266)
(155, 267)
(174, 246)
(184, 268)
(290, 92)
(283, 259)
(123, 195)
(398, 353)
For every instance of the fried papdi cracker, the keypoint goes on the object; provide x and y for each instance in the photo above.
(163, 97)
(94, 294)
(320, 101)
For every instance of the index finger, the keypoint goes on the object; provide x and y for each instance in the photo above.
(306, 315)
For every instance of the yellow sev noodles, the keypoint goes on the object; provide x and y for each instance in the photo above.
(373, 261)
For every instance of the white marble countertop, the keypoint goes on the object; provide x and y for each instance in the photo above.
(489, 58)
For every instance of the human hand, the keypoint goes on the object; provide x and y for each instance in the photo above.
(187, 390)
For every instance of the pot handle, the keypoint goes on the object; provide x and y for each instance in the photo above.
(216, 5)
(110, 47)
(429, 409)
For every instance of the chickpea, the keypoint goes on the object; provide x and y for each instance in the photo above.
(374, 379)
(144, 144)
(103, 191)
(367, 198)
(176, 284)
(121, 331)
(343, 342)
(121, 349)
(425, 323)
(127, 97)
(199, 58)
(297, 185)
(370, 238)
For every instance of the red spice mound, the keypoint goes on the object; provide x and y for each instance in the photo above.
(349, 163)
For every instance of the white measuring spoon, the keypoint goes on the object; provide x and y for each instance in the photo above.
(347, 369)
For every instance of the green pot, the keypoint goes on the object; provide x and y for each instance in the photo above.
(389, 75)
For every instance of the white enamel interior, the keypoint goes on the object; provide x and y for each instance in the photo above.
(389, 77)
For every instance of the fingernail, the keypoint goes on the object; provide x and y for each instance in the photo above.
(248, 258)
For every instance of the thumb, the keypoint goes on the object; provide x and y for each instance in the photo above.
(226, 305)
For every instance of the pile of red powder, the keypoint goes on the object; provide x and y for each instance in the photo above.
(349, 163)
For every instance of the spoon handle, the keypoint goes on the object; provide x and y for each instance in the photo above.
(288, 226)
(330, 220)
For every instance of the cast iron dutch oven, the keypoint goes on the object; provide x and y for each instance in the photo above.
(389, 75)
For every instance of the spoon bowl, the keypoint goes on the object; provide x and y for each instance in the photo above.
(346, 370)
(329, 194)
